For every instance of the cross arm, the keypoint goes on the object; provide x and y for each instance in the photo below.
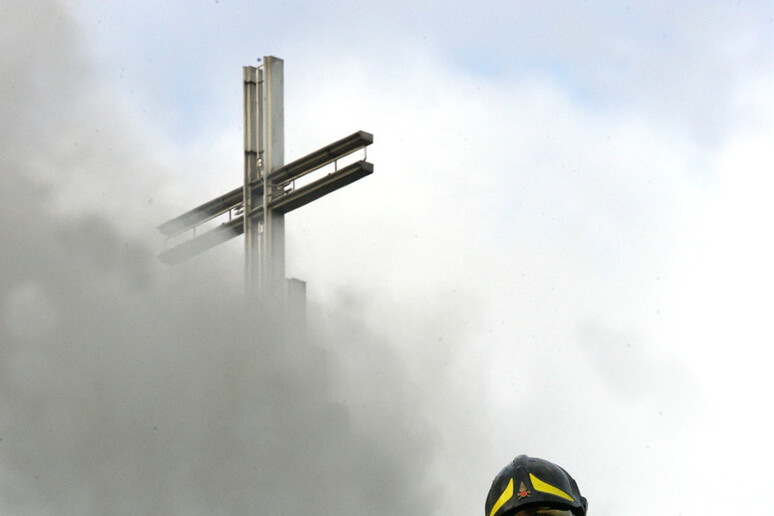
(202, 213)
(321, 157)
(323, 186)
(284, 174)
(201, 243)
(283, 204)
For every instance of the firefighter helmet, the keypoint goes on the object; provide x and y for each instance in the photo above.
(530, 483)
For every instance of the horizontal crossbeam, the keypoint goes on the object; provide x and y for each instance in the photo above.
(203, 213)
(323, 186)
(321, 157)
(284, 174)
(199, 244)
(284, 204)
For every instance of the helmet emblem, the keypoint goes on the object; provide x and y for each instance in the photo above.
(523, 491)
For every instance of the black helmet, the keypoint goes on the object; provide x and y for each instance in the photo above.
(529, 482)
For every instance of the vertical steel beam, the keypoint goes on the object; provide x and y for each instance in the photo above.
(272, 158)
(264, 153)
(251, 226)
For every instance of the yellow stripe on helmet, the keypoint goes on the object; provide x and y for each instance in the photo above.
(507, 495)
(545, 487)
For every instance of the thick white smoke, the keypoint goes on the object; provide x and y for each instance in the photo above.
(126, 388)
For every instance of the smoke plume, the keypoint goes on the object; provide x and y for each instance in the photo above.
(126, 388)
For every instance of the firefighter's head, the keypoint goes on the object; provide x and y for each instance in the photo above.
(534, 487)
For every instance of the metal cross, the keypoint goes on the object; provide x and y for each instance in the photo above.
(257, 208)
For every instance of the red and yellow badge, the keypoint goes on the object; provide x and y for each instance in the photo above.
(523, 492)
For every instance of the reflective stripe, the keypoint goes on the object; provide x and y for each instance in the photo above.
(544, 487)
(507, 495)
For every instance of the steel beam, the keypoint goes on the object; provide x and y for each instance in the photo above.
(269, 262)
(286, 203)
(201, 243)
(203, 213)
(322, 157)
(324, 186)
(285, 174)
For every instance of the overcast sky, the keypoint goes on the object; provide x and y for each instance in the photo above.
(565, 250)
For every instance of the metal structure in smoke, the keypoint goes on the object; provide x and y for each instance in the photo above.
(124, 390)
(257, 209)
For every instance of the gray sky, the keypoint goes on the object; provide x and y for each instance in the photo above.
(564, 251)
